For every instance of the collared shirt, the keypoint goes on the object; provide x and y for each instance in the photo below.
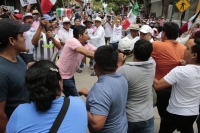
(36, 24)
(64, 35)
(140, 76)
(108, 30)
(98, 37)
(29, 35)
(91, 31)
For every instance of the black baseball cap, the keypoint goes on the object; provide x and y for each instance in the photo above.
(9, 28)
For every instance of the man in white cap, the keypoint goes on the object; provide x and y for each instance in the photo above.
(28, 55)
(16, 11)
(98, 37)
(64, 33)
(126, 47)
(146, 33)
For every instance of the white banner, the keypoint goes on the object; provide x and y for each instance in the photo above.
(27, 2)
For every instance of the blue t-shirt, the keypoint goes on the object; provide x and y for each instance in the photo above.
(26, 119)
(108, 98)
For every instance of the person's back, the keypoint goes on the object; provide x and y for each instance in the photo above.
(27, 119)
(140, 75)
(44, 83)
(112, 89)
(167, 55)
(106, 101)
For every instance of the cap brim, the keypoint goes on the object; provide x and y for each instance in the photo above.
(24, 28)
(143, 31)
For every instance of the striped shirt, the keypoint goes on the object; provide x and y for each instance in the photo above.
(44, 50)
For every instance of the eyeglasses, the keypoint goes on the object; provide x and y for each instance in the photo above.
(66, 23)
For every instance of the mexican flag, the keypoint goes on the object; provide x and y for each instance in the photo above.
(186, 27)
(60, 12)
(63, 12)
(131, 17)
(46, 5)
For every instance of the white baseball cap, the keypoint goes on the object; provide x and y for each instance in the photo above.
(16, 11)
(27, 15)
(125, 45)
(146, 29)
(66, 19)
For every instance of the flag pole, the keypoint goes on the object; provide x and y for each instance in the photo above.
(39, 8)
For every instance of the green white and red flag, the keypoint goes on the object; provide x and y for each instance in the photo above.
(131, 17)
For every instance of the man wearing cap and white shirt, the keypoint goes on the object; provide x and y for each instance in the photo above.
(146, 33)
(98, 37)
(140, 75)
(44, 41)
(12, 69)
(28, 55)
(126, 47)
(64, 33)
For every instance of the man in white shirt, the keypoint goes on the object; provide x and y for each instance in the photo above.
(64, 33)
(108, 29)
(116, 33)
(28, 55)
(183, 105)
(146, 33)
(98, 37)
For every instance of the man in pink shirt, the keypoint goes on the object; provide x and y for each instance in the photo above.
(70, 59)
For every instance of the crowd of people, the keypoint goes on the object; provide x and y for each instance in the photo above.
(149, 64)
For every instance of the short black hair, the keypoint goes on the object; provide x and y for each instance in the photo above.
(4, 44)
(197, 35)
(196, 49)
(142, 50)
(78, 17)
(42, 81)
(106, 58)
(78, 30)
(171, 30)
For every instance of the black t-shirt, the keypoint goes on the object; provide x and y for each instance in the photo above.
(12, 84)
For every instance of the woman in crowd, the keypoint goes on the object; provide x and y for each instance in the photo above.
(45, 86)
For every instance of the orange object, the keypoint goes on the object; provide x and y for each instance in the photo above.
(167, 55)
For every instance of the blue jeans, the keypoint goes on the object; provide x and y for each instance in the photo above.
(82, 64)
(141, 127)
(69, 87)
(91, 62)
(114, 45)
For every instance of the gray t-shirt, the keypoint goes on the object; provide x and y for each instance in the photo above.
(140, 76)
(108, 98)
(12, 84)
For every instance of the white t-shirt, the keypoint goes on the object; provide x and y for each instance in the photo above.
(29, 35)
(185, 81)
(116, 34)
(108, 30)
(64, 35)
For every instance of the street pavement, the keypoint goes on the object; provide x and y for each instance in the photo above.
(86, 81)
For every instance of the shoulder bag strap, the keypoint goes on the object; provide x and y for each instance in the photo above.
(60, 116)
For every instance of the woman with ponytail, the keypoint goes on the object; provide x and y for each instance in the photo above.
(44, 84)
